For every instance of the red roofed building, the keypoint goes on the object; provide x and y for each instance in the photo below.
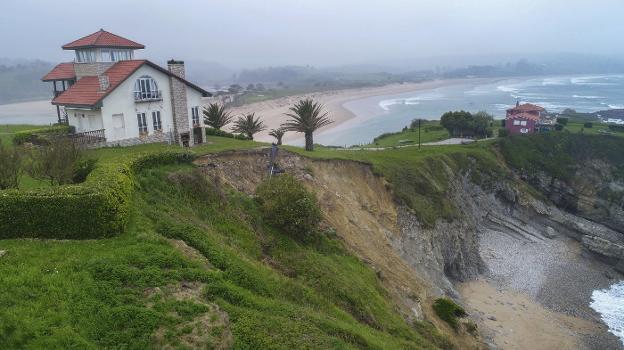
(111, 97)
(523, 118)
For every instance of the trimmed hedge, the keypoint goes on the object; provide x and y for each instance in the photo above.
(97, 208)
(35, 135)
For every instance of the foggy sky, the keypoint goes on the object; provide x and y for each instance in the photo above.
(249, 33)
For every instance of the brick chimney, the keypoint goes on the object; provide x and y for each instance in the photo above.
(104, 82)
(176, 67)
(181, 124)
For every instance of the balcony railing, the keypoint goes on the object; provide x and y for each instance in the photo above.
(89, 137)
(146, 96)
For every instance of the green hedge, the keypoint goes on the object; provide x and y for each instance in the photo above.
(221, 133)
(35, 135)
(97, 208)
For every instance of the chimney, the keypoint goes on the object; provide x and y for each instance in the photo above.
(104, 82)
(176, 67)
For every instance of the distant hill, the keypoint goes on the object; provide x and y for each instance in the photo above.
(20, 80)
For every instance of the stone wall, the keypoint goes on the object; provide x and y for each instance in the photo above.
(91, 69)
(157, 137)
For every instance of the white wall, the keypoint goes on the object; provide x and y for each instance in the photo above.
(121, 101)
(194, 99)
(84, 119)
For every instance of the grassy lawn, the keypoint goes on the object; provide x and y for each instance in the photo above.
(596, 129)
(278, 292)
(7, 131)
(430, 132)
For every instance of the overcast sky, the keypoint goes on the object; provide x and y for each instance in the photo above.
(248, 33)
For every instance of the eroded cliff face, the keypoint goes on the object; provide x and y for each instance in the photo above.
(418, 263)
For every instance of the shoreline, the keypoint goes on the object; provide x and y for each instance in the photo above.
(538, 297)
(272, 111)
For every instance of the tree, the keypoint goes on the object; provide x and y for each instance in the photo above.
(248, 125)
(278, 134)
(481, 122)
(235, 88)
(10, 167)
(250, 87)
(307, 116)
(57, 161)
(562, 121)
(216, 116)
(456, 123)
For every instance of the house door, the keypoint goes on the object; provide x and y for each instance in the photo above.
(197, 135)
(119, 127)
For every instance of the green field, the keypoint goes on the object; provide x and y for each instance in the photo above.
(430, 132)
(596, 129)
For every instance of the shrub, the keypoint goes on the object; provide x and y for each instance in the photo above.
(10, 167)
(40, 136)
(83, 169)
(502, 132)
(221, 133)
(559, 127)
(287, 205)
(562, 121)
(588, 125)
(97, 208)
(617, 128)
(56, 161)
(448, 311)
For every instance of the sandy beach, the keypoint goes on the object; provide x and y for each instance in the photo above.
(273, 111)
(536, 294)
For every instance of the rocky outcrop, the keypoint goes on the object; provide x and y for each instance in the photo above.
(594, 192)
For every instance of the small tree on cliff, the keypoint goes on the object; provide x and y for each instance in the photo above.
(248, 125)
(216, 116)
(278, 134)
(307, 116)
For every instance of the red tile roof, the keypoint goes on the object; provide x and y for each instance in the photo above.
(62, 71)
(524, 115)
(527, 107)
(86, 91)
(102, 38)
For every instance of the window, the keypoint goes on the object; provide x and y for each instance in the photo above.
(85, 56)
(145, 88)
(195, 115)
(516, 122)
(156, 120)
(116, 55)
(523, 122)
(142, 124)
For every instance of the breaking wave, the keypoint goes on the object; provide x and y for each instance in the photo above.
(609, 303)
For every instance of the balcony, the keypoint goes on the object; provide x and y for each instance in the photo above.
(147, 96)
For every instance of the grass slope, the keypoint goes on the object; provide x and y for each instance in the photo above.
(279, 294)
(431, 131)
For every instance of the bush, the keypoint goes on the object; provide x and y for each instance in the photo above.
(97, 208)
(448, 311)
(10, 167)
(562, 121)
(83, 169)
(56, 161)
(559, 127)
(588, 125)
(287, 205)
(40, 136)
(617, 128)
(502, 132)
(221, 133)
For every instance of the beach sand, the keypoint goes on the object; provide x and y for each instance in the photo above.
(538, 294)
(273, 112)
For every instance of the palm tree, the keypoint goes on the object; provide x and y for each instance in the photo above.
(216, 116)
(278, 134)
(248, 125)
(307, 116)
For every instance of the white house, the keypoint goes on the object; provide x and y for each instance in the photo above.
(615, 121)
(114, 99)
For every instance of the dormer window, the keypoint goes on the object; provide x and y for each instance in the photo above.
(112, 55)
(146, 89)
(85, 56)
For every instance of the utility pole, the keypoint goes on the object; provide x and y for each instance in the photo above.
(418, 133)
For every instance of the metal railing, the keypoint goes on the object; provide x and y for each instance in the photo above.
(140, 96)
(89, 137)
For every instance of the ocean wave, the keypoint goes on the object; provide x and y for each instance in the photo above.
(555, 81)
(609, 303)
(616, 106)
(587, 97)
(507, 88)
(386, 104)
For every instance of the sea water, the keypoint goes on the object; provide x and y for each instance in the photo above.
(380, 114)
(609, 303)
